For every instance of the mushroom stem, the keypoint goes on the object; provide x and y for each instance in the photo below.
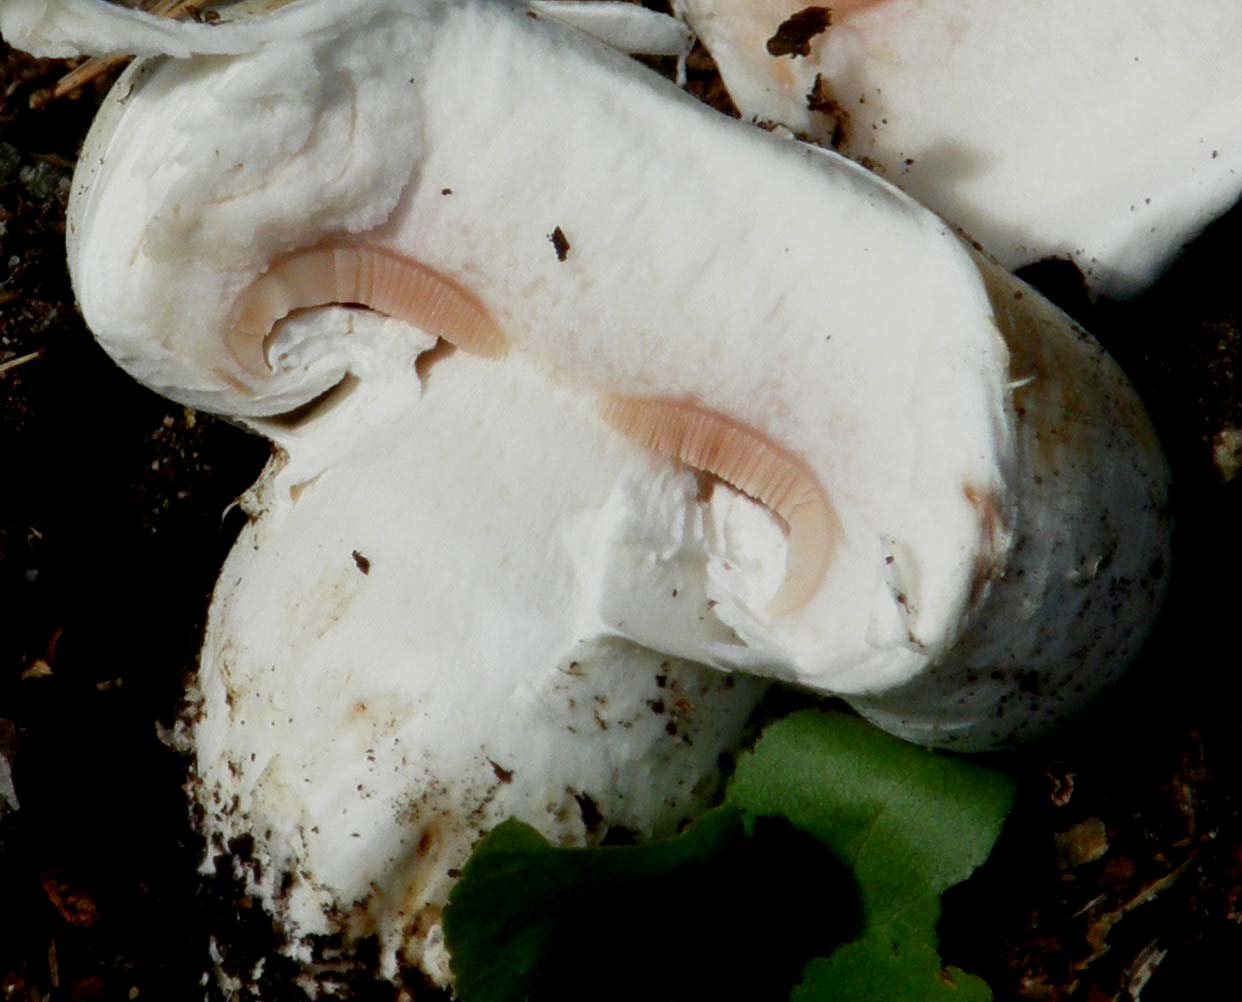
(750, 461)
(367, 276)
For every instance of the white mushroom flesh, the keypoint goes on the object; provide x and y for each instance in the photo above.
(707, 441)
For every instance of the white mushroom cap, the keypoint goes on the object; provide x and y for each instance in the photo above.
(1105, 132)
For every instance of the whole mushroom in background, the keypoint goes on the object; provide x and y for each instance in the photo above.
(1106, 133)
(470, 582)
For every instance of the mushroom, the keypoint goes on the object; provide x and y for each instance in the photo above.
(1103, 132)
(707, 407)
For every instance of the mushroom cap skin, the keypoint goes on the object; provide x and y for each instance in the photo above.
(1107, 132)
(865, 342)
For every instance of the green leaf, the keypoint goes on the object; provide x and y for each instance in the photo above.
(909, 823)
(835, 841)
(517, 892)
(715, 913)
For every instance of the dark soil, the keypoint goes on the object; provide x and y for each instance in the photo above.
(112, 530)
(1119, 871)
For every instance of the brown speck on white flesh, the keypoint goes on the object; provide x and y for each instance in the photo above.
(560, 243)
(356, 274)
(750, 461)
(796, 34)
(793, 35)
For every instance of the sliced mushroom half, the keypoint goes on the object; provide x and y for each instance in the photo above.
(941, 450)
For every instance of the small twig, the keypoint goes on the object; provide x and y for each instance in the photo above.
(13, 363)
(83, 74)
(93, 68)
(55, 159)
(53, 964)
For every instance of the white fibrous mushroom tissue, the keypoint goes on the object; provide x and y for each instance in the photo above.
(597, 413)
